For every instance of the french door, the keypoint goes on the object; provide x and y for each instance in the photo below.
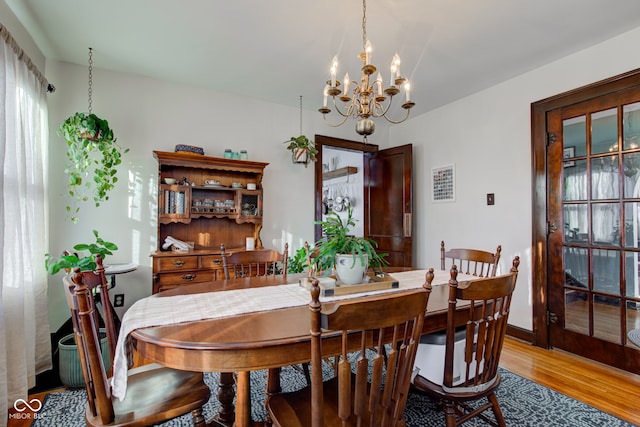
(593, 227)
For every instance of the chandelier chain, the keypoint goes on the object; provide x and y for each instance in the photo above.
(364, 24)
(90, 77)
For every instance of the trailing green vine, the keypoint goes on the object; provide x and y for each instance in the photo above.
(92, 159)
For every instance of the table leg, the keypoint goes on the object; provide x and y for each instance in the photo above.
(226, 413)
(273, 382)
(243, 399)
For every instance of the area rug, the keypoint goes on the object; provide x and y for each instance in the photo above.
(523, 403)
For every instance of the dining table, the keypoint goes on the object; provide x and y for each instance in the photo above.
(240, 325)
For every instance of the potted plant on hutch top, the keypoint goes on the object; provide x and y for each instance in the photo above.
(351, 256)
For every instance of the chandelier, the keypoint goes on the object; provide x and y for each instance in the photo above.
(368, 98)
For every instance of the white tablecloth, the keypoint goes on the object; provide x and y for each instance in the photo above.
(159, 311)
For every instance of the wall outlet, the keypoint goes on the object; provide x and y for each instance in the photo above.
(118, 300)
(491, 200)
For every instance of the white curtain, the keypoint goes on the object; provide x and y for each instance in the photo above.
(25, 348)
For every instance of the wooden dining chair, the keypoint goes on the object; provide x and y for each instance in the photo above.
(350, 398)
(476, 376)
(471, 261)
(98, 288)
(154, 393)
(257, 262)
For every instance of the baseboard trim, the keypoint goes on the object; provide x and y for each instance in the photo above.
(520, 333)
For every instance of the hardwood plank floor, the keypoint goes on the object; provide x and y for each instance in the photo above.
(609, 389)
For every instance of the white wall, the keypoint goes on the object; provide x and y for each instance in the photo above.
(149, 115)
(488, 138)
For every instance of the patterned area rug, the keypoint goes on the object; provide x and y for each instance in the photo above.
(523, 403)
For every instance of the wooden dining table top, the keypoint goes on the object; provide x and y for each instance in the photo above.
(204, 345)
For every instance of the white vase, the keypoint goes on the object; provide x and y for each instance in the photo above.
(350, 268)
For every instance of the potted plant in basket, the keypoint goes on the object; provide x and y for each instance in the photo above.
(303, 150)
(90, 144)
(351, 256)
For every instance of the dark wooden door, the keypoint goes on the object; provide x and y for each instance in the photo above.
(593, 211)
(388, 197)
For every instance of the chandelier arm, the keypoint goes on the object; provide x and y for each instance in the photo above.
(395, 122)
(382, 112)
(349, 109)
(335, 125)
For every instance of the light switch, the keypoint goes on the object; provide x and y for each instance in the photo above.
(490, 199)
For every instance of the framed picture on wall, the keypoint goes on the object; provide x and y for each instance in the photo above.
(444, 184)
(569, 153)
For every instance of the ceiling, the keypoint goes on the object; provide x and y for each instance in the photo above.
(278, 50)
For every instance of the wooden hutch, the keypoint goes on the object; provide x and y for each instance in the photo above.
(214, 207)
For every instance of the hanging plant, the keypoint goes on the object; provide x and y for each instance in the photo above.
(92, 156)
(91, 149)
(303, 150)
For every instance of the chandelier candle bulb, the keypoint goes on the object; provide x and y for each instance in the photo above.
(407, 88)
(326, 94)
(346, 84)
(367, 53)
(334, 71)
(379, 80)
(393, 74)
(396, 61)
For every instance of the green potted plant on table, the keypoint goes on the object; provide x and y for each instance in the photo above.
(303, 150)
(351, 256)
(90, 143)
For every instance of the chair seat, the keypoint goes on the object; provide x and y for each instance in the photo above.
(151, 390)
(436, 391)
(295, 408)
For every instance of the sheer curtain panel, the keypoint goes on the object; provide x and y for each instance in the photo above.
(25, 348)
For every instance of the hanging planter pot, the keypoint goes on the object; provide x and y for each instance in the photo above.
(300, 155)
(303, 150)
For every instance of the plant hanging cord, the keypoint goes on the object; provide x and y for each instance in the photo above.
(90, 77)
(300, 114)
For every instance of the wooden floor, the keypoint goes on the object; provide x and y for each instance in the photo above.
(611, 390)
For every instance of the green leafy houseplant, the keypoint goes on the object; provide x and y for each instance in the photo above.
(337, 240)
(69, 261)
(90, 144)
(298, 262)
(303, 150)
